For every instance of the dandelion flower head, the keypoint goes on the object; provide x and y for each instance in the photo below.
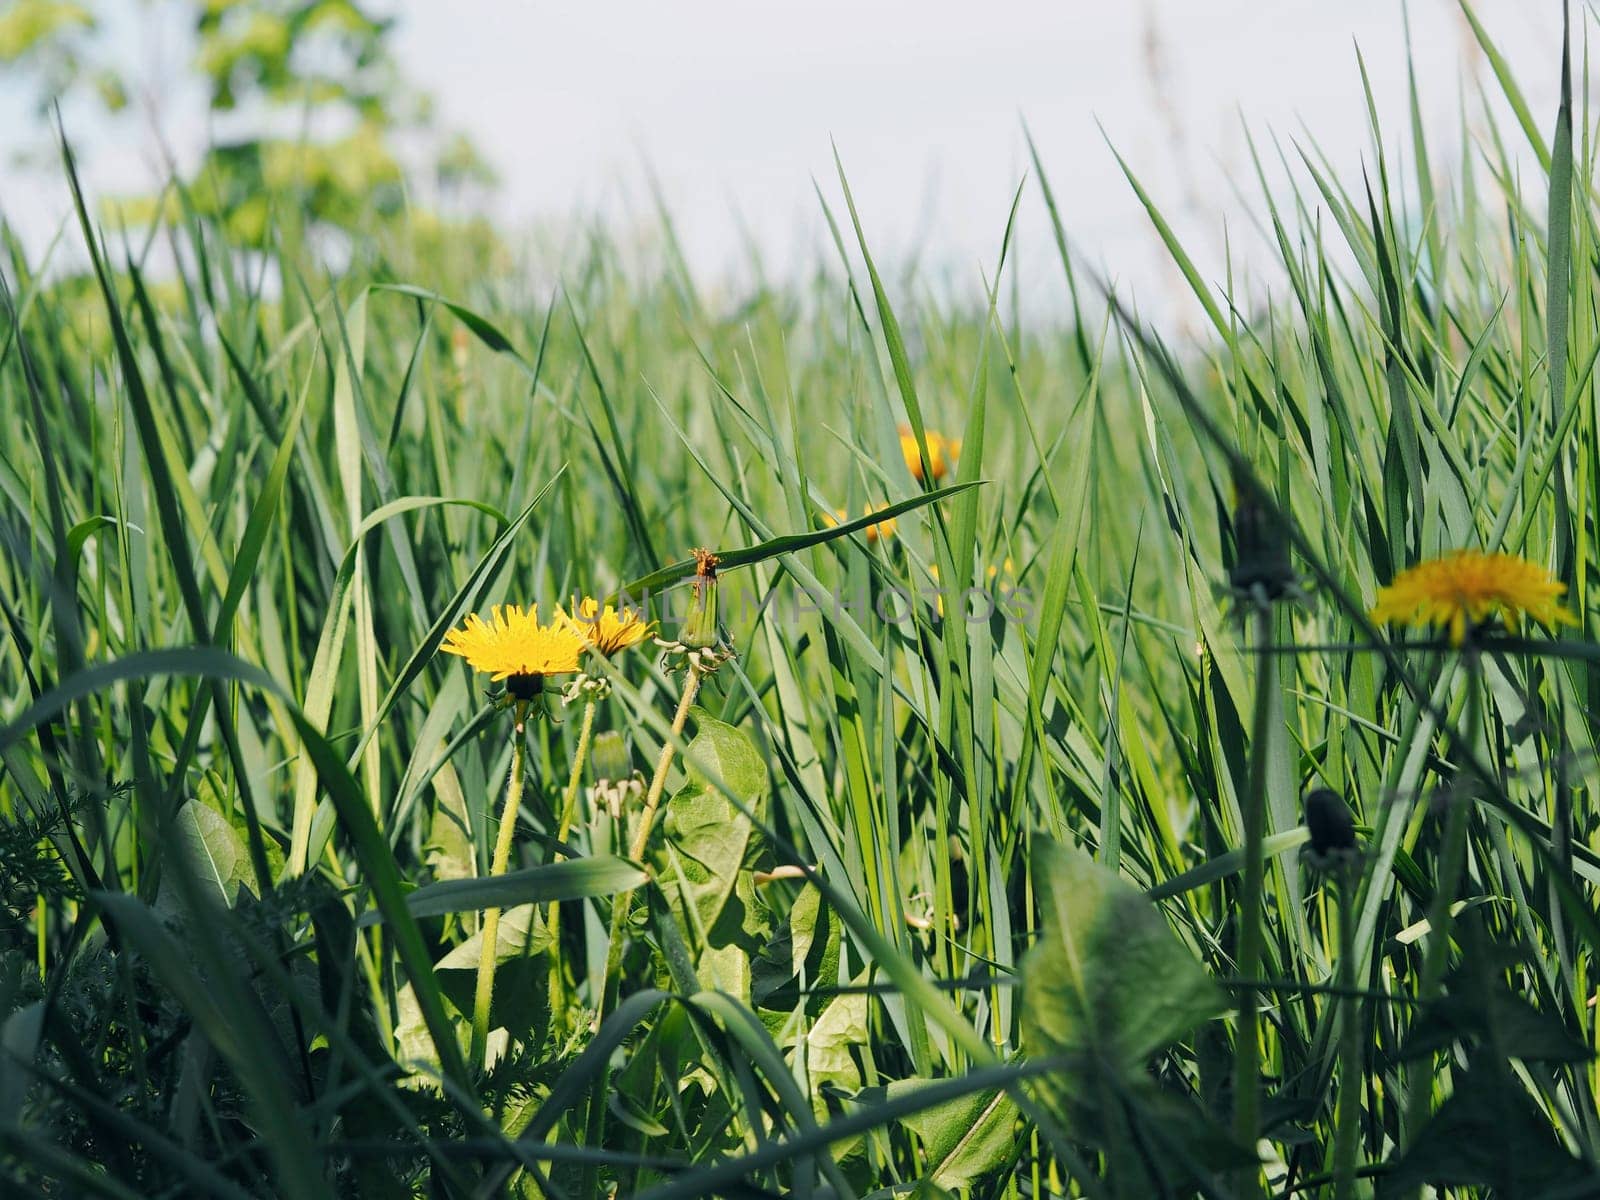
(1471, 586)
(512, 643)
(607, 629)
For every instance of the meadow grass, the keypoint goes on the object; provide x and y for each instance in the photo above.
(933, 903)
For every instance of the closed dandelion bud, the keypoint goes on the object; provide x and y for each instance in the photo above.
(699, 630)
(1261, 565)
(611, 758)
(1332, 827)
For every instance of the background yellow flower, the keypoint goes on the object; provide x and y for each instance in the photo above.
(881, 529)
(942, 453)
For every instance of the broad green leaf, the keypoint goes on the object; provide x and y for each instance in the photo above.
(1107, 980)
(521, 1003)
(522, 933)
(707, 852)
(1489, 1133)
(804, 950)
(729, 754)
(214, 853)
(964, 1139)
(831, 1045)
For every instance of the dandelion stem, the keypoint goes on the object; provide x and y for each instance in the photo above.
(490, 930)
(652, 800)
(569, 798)
(569, 812)
(621, 905)
(1247, 1046)
(1441, 910)
(1347, 1118)
(641, 838)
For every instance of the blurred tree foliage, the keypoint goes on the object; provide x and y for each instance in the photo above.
(320, 122)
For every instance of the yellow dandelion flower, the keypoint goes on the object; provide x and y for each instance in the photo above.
(512, 645)
(608, 630)
(1469, 585)
(942, 453)
(881, 529)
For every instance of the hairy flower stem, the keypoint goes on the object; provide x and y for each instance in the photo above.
(1247, 1046)
(490, 930)
(652, 800)
(569, 813)
(621, 905)
(1347, 1118)
(1441, 911)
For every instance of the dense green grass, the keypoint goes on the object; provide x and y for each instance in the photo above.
(242, 506)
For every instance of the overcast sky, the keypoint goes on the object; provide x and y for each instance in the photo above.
(736, 104)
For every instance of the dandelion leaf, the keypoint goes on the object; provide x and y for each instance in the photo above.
(1107, 980)
(210, 851)
(1489, 1133)
(707, 854)
(803, 952)
(964, 1139)
(522, 980)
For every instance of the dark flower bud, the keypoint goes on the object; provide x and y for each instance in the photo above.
(1332, 827)
(1261, 565)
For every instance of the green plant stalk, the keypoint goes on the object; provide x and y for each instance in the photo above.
(569, 812)
(1452, 864)
(1347, 1118)
(658, 781)
(487, 959)
(641, 838)
(620, 907)
(569, 798)
(1247, 1046)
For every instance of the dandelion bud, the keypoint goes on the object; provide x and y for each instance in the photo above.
(611, 756)
(1261, 565)
(1332, 827)
(699, 630)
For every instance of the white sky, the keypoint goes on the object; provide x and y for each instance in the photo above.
(733, 105)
